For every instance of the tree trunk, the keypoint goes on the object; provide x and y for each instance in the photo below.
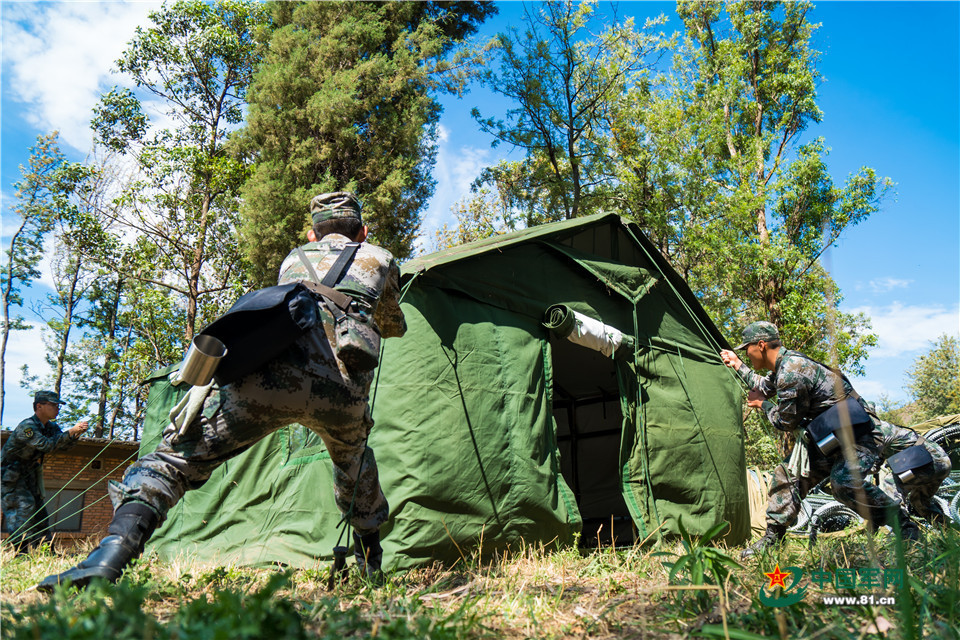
(109, 357)
(7, 289)
(69, 304)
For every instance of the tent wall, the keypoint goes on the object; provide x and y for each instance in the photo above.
(272, 504)
(688, 458)
(464, 433)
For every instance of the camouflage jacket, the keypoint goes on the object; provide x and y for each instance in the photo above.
(804, 389)
(372, 279)
(30, 441)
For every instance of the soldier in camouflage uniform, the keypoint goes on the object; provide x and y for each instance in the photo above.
(21, 484)
(804, 389)
(919, 490)
(307, 384)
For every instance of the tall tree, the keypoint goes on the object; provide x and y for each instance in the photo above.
(712, 164)
(935, 379)
(482, 215)
(197, 60)
(36, 193)
(85, 295)
(346, 100)
(71, 275)
(99, 351)
(563, 79)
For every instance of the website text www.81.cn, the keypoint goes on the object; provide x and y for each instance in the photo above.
(865, 599)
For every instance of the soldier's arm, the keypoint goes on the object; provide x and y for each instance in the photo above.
(762, 384)
(389, 316)
(32, 439)
(787, 412)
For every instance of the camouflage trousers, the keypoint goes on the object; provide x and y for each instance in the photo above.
(24, 516)
(849, 484)
(305, 385)
(918, 492)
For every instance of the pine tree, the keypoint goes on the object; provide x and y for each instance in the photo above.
(346, 100)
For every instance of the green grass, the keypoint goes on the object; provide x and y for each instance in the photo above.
(532, 593)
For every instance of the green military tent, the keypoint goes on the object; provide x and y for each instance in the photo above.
(492, 433)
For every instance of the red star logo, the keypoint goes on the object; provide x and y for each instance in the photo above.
(777, 578)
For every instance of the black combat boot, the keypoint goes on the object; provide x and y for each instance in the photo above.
(909, 530)
(937, 516)
(880, 516)
(368, 554)
(131, 527)
(773, 536)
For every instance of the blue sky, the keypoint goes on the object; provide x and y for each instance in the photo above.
(891, 100)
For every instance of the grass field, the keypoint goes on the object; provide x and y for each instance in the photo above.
(531, 593)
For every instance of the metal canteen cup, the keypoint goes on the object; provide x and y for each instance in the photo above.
(828, 445)
(201, 361)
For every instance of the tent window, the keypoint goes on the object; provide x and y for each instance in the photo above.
(586, 407)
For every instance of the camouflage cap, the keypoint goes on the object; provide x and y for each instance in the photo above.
(757, 331)
(330, 206)
(47, 396)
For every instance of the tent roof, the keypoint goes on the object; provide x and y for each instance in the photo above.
(555, 231)
(606, 236)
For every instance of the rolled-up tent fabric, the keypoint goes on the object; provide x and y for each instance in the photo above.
(559, 319)
(583, 330)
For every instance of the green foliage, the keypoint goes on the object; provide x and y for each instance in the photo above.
(229, 607)
(398, 619)
(105, 611)
(705, 157)
(480, 216)
(234, 614)
(182, 204)
(701, 563)
(71, 204)
(345, 100)
(762, 443)
(563, 81)
(935, 379)
(747, 212)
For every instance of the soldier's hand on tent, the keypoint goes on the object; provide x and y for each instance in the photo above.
(730, 359)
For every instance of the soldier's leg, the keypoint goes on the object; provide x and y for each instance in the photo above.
(341, 417)
(851, 486)
(357, 479)
(921, 488)
(783, 506)
(38, 527)
(19, 508)
(786, 494)
(783, 500)
(232, 419)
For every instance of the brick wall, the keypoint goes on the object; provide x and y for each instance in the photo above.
(70, 470)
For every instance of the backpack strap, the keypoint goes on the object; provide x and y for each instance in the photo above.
(325, 288)
(339, 267)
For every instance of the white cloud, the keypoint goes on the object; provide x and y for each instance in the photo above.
(58, 57)
(455, 170)
(24, 347)
(873, 389)
(443, 133)
(903, 329)
(883, 285)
